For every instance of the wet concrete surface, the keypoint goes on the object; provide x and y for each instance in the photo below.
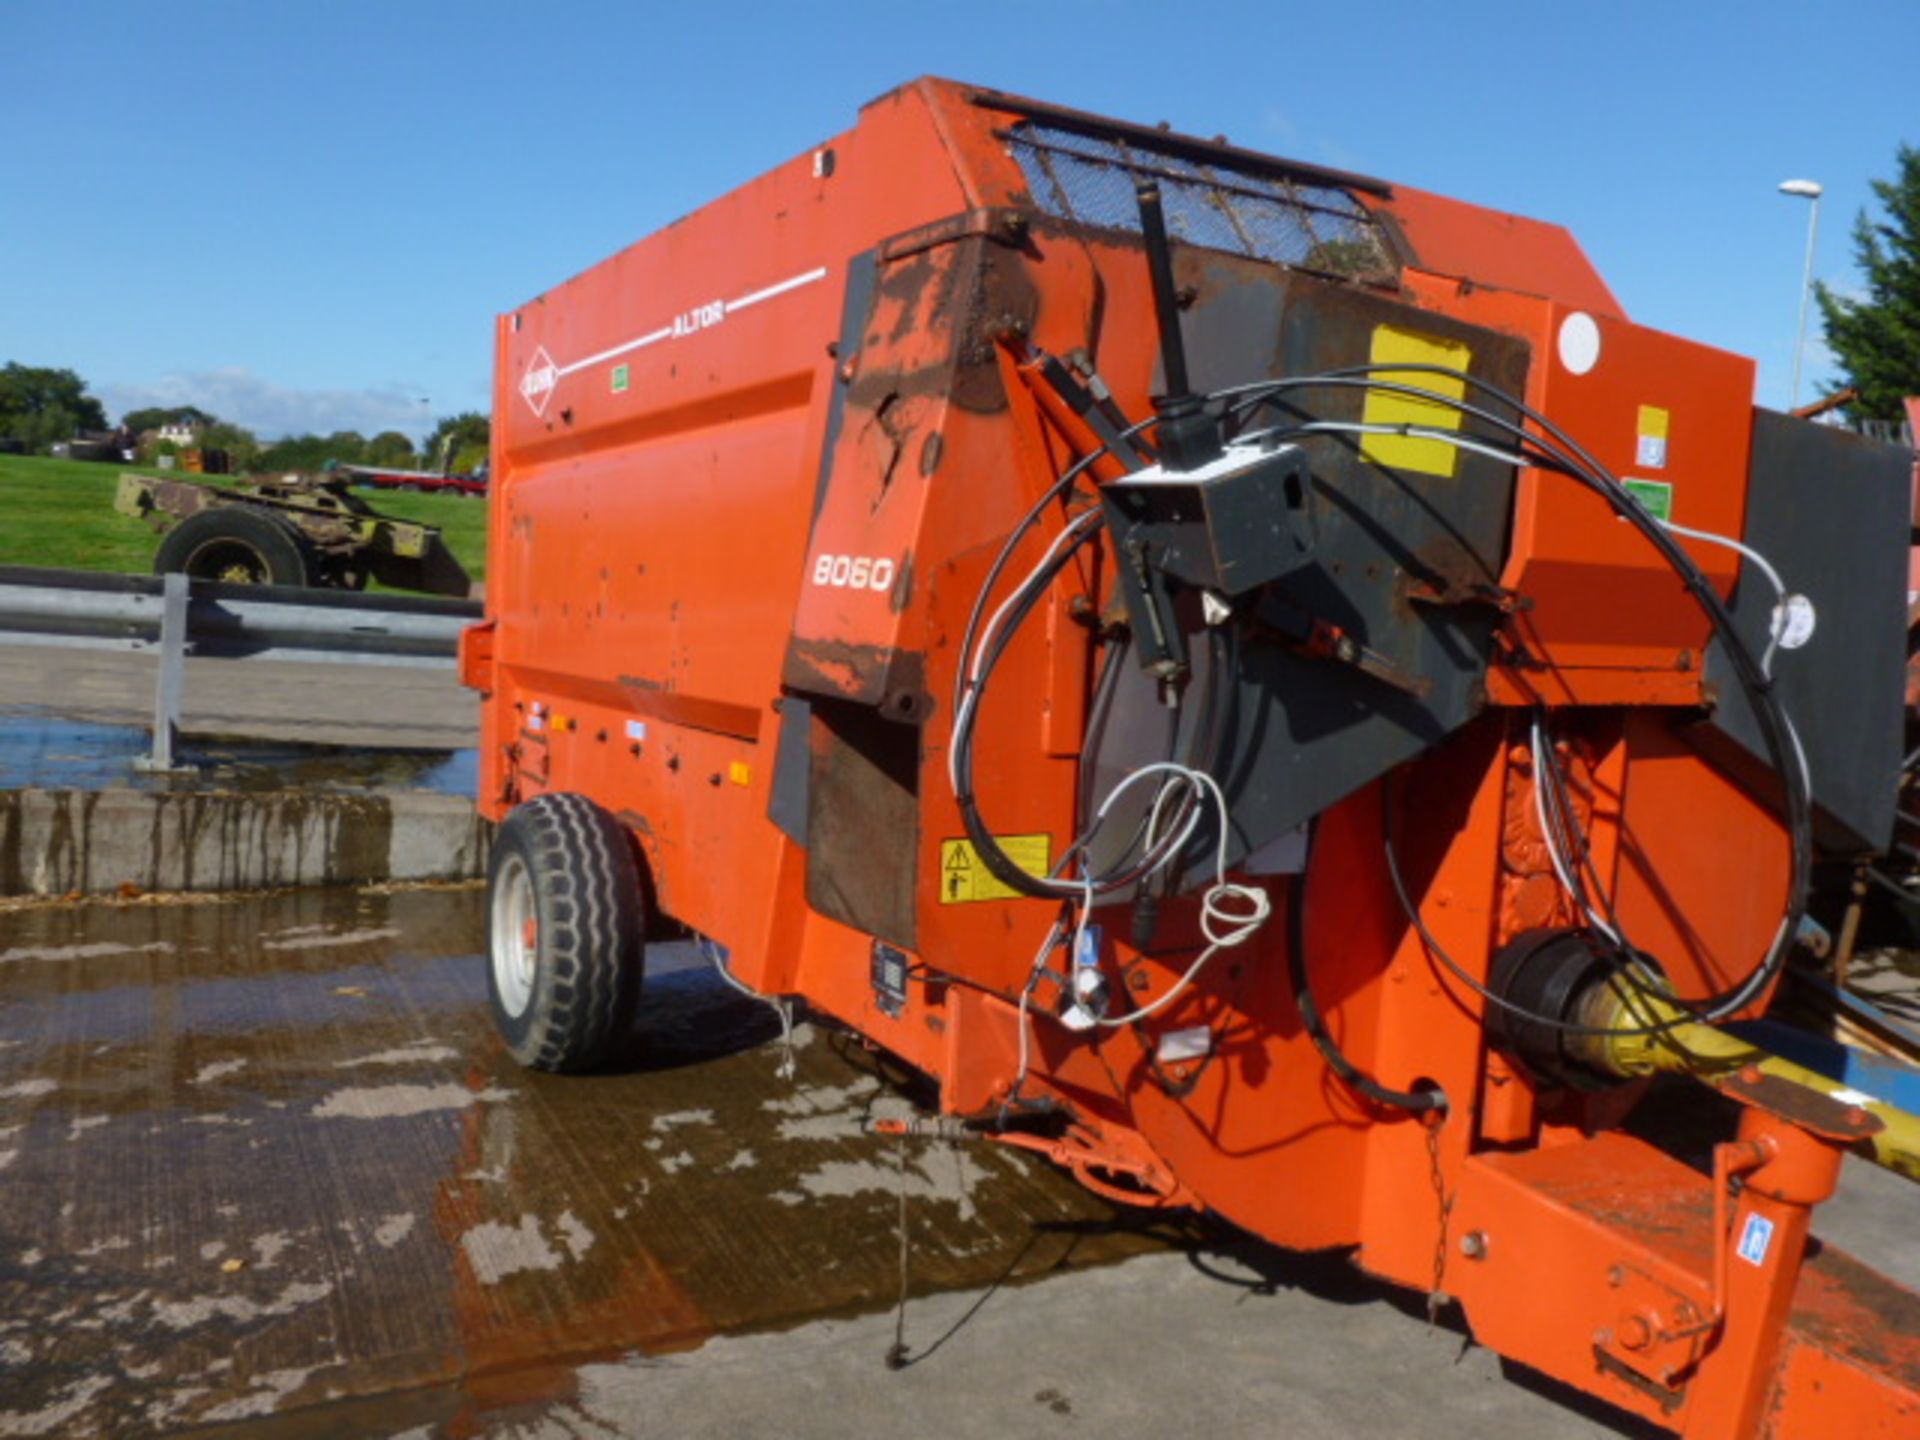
(1890, 979)
(49, 751)
(265, 1171)
(265, 1164)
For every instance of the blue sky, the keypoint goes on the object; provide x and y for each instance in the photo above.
(305, 215)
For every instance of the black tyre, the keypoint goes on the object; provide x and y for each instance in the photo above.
(237, 545)
(566, 933)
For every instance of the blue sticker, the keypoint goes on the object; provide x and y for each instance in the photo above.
(1756, 1239)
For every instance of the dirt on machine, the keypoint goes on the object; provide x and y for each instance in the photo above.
(1262, 684)
(300, 531)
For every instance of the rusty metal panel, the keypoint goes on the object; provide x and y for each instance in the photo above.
(863, 821)
(926, 350)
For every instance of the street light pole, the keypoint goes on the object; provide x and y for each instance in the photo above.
(1810, 191)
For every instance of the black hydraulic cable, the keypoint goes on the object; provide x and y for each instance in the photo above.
(986, 846)
(1056, 491)
(1001, 865)
(998, 863)
(1418, 1102)
(1760, 691)
(1576, 462)
(1431, 943)
(1571, 840)
(1776, 728)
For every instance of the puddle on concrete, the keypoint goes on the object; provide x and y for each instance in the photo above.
(50, 752)
(264, 1157)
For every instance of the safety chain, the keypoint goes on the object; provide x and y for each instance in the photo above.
(898, 1356)
(1437, 1296)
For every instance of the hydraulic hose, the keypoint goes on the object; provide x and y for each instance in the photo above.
(1419, 1102)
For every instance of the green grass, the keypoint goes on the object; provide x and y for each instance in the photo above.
(60, 513)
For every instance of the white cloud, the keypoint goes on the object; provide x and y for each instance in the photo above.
(272, 411)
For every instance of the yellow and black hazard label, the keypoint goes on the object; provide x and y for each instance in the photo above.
(964, 875)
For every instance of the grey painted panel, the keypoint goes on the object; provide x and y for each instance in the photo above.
(1831, 511)
(792, 768)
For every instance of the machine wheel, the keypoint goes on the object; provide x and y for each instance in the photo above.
(237, 545)
(566, 932)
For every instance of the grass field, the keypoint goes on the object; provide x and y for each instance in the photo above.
(60, 513)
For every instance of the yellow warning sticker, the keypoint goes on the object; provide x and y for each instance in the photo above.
(1394, 346)
(1651, 450)
(964, 875)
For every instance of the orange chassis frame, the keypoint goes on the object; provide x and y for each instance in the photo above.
(829, 373)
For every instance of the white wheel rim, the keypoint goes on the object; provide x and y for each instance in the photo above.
(515, 936)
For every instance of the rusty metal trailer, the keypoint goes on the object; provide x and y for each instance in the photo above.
(297, 532)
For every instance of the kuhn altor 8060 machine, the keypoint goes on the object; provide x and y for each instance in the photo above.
(1264, 684)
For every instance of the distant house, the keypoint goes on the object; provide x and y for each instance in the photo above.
(184, 433)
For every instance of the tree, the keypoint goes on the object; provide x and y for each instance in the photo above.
(156, 417)
(1877, 339)
(347, 447)
(459, 442)
(390, 447)
(313, 452)
(41, 406)
(243, 451)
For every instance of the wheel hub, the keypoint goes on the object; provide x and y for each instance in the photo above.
(515, 936)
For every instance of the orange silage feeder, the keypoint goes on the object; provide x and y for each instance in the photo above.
(1258, 681)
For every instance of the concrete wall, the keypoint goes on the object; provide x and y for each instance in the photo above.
(58, 842)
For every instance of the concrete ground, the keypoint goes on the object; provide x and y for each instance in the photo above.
(309, 702)
(1208, 1344)
(265, 1170)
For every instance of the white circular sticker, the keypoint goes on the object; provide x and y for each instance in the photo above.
(1793, 622)
(1579, 342)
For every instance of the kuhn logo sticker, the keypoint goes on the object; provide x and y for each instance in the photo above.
(537, 384)
(542, 376)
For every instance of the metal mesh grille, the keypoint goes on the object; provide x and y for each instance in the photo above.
(1091, 179)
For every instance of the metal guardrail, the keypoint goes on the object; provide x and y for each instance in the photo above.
(232, 620)
(176, 618)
